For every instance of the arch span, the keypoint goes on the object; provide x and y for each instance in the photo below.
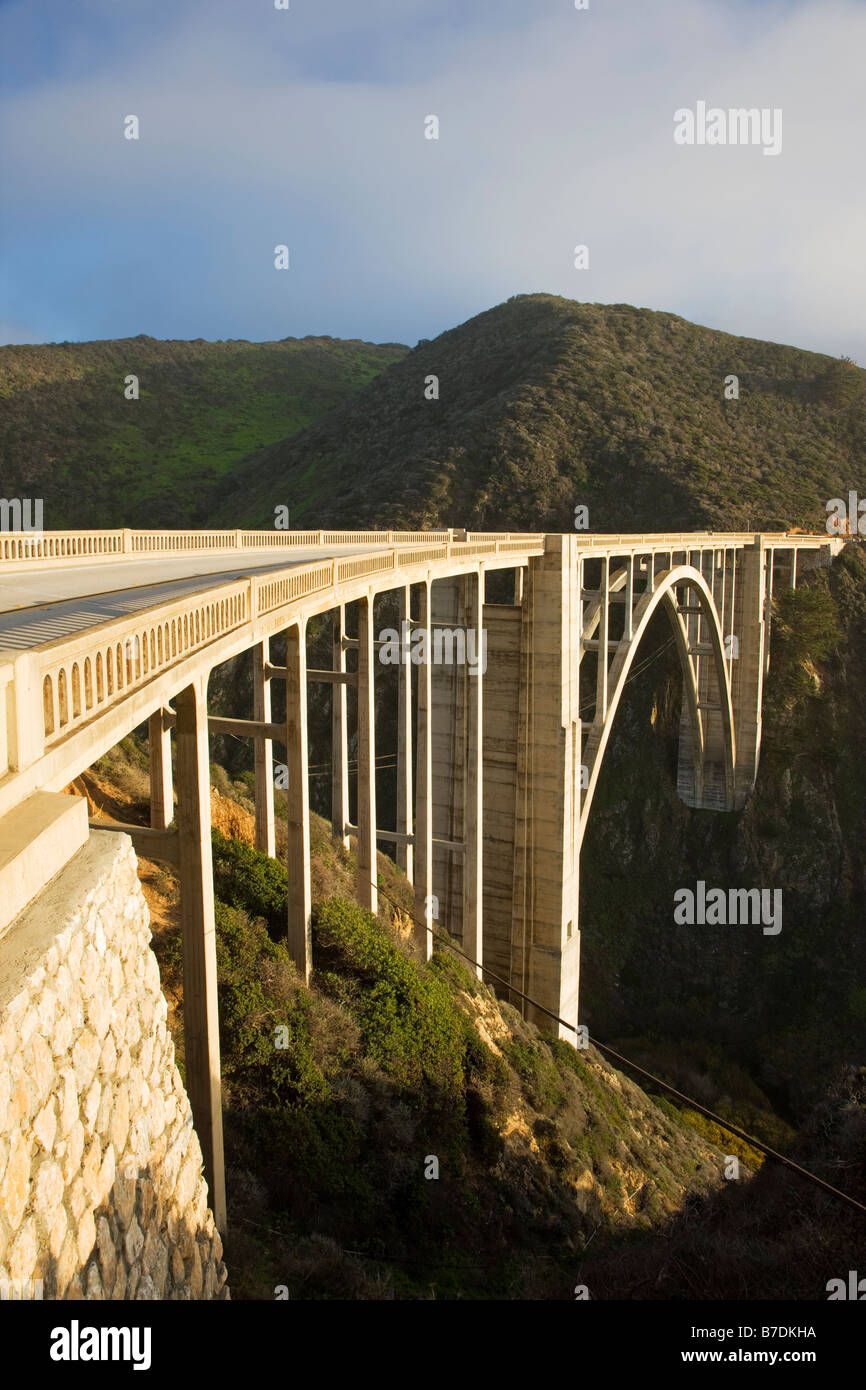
(665, 594)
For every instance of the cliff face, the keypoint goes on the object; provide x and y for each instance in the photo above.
(789, 1007)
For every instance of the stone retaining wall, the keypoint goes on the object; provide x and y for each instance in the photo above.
(101, 1191)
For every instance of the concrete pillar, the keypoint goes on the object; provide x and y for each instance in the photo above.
(161, 785)
(368, 893)
(473, 802)
(502, 623)
(404, 738)
(298, 822)
(263, 753)
(768, 608)
(201, 1023)
(339, 734)
(603, 629)
(448, 717)
(628, 627)
(748, 669)
(545, 935)
(423, 837)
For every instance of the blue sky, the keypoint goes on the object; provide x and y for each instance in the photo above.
(306, 127)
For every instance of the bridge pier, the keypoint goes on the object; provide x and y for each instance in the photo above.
(298, 817)
(367, 890)
(263, 751)
(161, 783)
(502, 623)
(405, 856)
(458, 772)
(447, 730)
(423, 837)
(473, 799)
(545, 936)
(201, 1020)
(748, 670)
(339, 732)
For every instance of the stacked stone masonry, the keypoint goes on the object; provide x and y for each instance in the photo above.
(101, 1187)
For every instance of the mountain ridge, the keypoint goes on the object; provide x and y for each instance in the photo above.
(545, 403)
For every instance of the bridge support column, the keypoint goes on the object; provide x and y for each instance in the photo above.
(161, 784)
(423, 837)
(368, 893)
(339, 734)
(263, 752)
(545, 937)
(748, 669)
(502, 623)
(201, 1023)
(448, 730)
(473, 803)
(298, 821)
(404, 739)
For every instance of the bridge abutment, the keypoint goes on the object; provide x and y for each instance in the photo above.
(101, 1187)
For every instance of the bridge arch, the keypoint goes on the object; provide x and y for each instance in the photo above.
(664, 595)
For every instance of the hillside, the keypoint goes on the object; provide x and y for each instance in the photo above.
(546, 402)
(554, 1169)
(389, 1064)
(69, 436)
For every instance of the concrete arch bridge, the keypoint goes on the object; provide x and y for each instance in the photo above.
(497, 758)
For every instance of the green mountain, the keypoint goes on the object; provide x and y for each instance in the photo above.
(69, 435)
(545, 403)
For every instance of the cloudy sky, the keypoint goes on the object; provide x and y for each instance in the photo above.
(306, 127)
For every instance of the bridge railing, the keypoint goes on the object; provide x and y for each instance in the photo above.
(695, 540)
(61, 546)
(21, 548)
(48, 692)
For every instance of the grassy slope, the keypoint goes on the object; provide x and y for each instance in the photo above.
(546, 402)
(68, 435)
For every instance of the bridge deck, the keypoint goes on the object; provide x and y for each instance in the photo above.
(33, 587)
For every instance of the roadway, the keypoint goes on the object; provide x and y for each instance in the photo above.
(42, 605)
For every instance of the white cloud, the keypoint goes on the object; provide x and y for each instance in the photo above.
(556, 128)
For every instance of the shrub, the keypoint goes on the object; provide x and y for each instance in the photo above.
(245, 879)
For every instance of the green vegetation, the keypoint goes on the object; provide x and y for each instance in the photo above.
(69, 436)
(250, 881)
(546, 402)
(339, 1096)
(806, 632)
